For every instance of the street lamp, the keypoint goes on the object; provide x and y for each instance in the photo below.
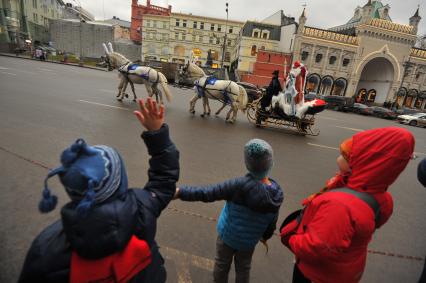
(225, 38)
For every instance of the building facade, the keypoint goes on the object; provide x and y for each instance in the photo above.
(77, 13)
(138, 13)
(370, 58)
(121, 28)
(174, 38)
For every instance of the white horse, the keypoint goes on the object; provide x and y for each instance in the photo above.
(134, 73)
(228, 92)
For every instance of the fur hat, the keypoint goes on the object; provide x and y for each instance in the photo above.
(258, 156)
(90, 175)
(421, 172)
(276, 72)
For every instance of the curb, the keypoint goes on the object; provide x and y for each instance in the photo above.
(54, 62)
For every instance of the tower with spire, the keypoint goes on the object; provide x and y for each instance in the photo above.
(415, 20)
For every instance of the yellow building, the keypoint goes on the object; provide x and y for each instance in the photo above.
(174, 38)
(370, 58)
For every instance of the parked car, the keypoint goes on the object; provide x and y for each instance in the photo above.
(384, 113)
(253, 92)
(406, 111)
(310, 96)
(416, 119)
(360, 108)
(339, 103)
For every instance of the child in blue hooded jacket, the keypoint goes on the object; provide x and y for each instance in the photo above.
(250, 213)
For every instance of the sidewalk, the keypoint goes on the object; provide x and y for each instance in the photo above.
(55, 62)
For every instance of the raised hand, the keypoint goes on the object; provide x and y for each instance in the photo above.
(150, 115)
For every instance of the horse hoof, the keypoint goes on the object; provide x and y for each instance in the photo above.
(126, 95)
(120, 99)
(202, 115)
(192, 112)
(208, 114)
(134, 100)
(216, 114)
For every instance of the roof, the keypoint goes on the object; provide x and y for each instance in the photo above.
(117, 21)
(207, 18)
(87, 22)
(274, 31)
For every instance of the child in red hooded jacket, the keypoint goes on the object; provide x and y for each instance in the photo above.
(330, 239)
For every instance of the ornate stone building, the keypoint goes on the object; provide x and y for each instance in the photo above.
(369, 57)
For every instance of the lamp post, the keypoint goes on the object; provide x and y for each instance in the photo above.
(225, 38)
(406, 65)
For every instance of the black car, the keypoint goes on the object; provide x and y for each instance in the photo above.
(359, 108)
(310, 96)
(253, 92)
(338, 103)
(384, 113)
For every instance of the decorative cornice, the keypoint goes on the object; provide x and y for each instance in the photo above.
(419, 53)
(388, 25)
(330, 36)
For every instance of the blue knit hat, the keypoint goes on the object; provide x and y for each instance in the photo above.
(421, 172)
(90, 175)
(258, 156)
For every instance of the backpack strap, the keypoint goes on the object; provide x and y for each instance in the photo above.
(367, 198)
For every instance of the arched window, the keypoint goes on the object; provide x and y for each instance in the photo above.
(253, 50)
(339, 87)
(371, 96)
(318, 58)
(332, 60)
(165, 51)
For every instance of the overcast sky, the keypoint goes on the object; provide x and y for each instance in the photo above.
(321, 14)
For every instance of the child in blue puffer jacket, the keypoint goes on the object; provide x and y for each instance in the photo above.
(250, 213)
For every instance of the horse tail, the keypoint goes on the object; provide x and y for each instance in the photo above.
(242, 99)
(165, 86)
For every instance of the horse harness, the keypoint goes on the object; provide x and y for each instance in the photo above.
(202, 89)
(124, 69)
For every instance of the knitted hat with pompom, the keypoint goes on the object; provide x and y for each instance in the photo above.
(90, 175)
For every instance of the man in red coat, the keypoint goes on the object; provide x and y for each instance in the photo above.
(330, 239)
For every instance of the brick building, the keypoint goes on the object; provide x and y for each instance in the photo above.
(137, 17)
(266, 63)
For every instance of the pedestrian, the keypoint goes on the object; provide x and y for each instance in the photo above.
(250, 212)
(107, 232)
(421, 176)
(330, 237)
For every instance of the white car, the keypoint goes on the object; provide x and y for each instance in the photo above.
(416, 119)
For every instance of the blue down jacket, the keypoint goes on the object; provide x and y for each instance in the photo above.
(250, 212)
(109, 226)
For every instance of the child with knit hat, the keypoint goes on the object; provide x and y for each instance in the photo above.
(107, 231)
(250, 212)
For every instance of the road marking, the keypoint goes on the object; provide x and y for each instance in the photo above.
(106, 90)
(105, 105)
(184, 261)
(322, 146)
(47, 70)
(352, 129)
(419, 153)
(7, 73)
(3, 68)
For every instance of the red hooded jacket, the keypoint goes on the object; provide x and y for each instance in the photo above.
(330, 243)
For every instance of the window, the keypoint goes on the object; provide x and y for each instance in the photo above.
(184, 23)
(219, 28)
(346, 62)
(35, 17)
(305, 55)
(211, 40)
(217, 41)
(332, 60)
(318, 58)
(35, 4)
(265, 36)
(176, 35)
(194, 25)
(230, 29)
(229, 42)
(227, 56)
(212, 27)
(201, 25)
(256, 34)
(177, 22)
(155, 24)
(253, 50)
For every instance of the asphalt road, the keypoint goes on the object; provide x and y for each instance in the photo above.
(44, 107)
